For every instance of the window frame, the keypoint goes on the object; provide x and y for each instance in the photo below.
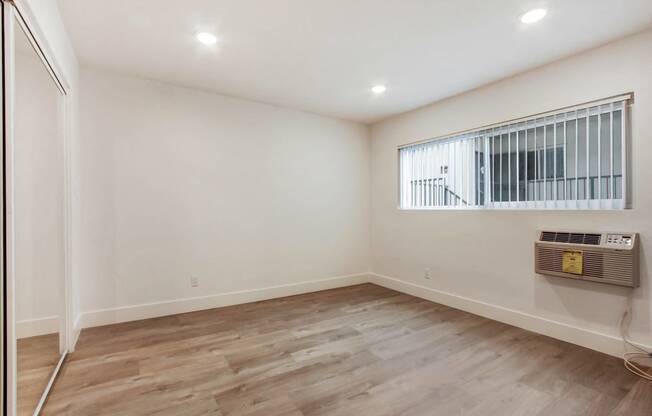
(545, 119)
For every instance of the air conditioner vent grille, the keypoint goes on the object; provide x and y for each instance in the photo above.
(548, 236)
(570, 238)
(577, 238)
(562, 237)
(593, 239)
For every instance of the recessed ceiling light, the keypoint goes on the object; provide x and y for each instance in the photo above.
(207, 38)
(379, 89)
(533, 16)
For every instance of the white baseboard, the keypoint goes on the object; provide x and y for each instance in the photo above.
(605, 343)
(35, 327)
(172, 307)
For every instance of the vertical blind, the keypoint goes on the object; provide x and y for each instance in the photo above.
(570, 159)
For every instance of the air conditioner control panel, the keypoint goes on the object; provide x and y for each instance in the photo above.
(619, 240)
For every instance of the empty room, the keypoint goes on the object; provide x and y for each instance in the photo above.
(326, 208)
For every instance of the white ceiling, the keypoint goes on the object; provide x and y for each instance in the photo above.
(324, 56)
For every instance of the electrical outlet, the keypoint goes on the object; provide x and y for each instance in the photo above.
(426, 273)
(194, 281)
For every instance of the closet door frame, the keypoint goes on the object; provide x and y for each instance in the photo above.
(17, 15)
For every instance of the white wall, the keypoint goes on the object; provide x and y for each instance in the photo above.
(486, 256)
(178, 182)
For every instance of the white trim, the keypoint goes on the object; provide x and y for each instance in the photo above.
(176, 306)
(594, 340)
(67, 340)
(12, 376)
(35, 327)
(47, 389)
(529, 206)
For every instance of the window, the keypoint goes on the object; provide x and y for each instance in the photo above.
(569, 159)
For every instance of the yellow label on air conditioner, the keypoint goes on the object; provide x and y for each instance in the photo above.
(572, 261)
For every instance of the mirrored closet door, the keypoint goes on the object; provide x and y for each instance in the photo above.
(38, 221)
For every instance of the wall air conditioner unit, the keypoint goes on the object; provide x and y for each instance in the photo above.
(597, 257)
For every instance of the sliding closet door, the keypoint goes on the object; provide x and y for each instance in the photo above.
(35, 217)
(38, 204)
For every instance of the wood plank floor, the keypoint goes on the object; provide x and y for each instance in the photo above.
(37, 358)
(361, 350)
